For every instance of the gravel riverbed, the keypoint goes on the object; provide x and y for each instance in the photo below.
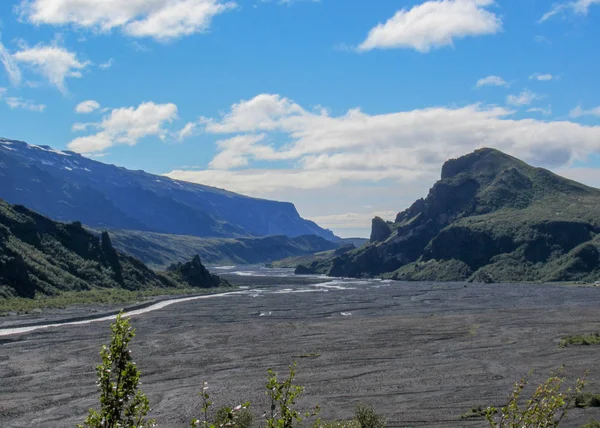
(421, 353)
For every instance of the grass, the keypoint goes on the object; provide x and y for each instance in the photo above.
(587, 399)
(591, 424)
(22, 305)
(578, 340)
(475, 412)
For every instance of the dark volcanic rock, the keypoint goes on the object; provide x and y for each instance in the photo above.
(380, 230)
(194, 274)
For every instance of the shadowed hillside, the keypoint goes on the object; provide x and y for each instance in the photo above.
(41, 257)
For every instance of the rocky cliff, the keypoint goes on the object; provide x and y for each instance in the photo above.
(490, 218)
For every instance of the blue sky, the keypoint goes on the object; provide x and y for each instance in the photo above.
(346, 108)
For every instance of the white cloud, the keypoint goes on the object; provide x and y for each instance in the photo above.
(106, 65)
(186, 131)
(314, 150)
(526, 97)
(15, 102)
(126, 126)
(55, 63)
(545, 111)
(433, 24)
(86, 107)
(542, 77)
(491, 81)
(10, 65)
(158, 19)
(579, 111)
(580, 7)
(351, 220)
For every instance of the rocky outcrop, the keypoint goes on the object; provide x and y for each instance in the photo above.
(380, 230)
(194, 274)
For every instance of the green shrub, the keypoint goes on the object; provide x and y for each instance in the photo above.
(547, 407)
(587, 399)
(592, 339)
(591, 424)
(367, 418)
(121, 403)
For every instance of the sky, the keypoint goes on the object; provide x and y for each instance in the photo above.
(347, 108)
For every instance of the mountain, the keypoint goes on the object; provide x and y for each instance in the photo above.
(160, 250)
(41, 257)
(66, 186)
(490, 218)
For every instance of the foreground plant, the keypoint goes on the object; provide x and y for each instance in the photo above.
(122, 405)
(283, 401)
(547, 407)
(236, 417)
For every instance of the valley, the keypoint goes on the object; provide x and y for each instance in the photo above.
(422, 353)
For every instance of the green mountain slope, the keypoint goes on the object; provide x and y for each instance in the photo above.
(41, 257)
(160, 250)
(490, 218)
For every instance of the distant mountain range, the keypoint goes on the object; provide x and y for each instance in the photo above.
(491, 218)
(66, 186)
(159, 250)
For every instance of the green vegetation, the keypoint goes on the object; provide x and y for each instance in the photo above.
(475, 412)
(592, 339)
(47, 264)
(22, 305)
(491, 218)
(587, 399)
(547, 407)
(591, 424)
(122, 404)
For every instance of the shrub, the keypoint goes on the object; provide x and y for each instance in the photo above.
(367, 418)
(547, 407)
(121, 403)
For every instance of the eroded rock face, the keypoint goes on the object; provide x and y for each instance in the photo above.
(380, 230)
(490, 218)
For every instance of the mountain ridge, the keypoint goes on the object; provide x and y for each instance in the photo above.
(490, 217)
(41, 257)
(67, 186)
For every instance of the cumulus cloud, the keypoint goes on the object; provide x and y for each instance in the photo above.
(542, 77)
(579, 112)
(433, 24)
(54, 63)
(526, 97)
(10, 65)
(313, 150)
(159, 19)
(86, 107)
(491, 81)
(126, 125)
